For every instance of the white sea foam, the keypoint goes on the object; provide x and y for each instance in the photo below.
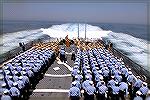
(135, 48)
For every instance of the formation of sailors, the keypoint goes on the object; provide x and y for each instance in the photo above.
(23, 72)
(98, 72)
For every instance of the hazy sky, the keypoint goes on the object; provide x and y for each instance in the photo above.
(134, 13)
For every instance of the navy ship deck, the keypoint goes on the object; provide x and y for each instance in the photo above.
(55, 83)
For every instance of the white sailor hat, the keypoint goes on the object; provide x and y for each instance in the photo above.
(129, 69)
(20, 77)
(87, 66)
(122, 62)
(88, 71)
(15, 83)
(1, 71)
(6, 91)
(101, 78)
(5, 67)
(76, 63)
(144, 83)
(23, 72)
(1, 76)
(76, 77)
(148, 92)
(23, 68)
(78, 71)
(112, 77)
(30, 68)
(74, 83)
(3, 85)
(14, 67)
(138, 92)
(76, 66)
(119, 73)
(10, 77)
(130, 72)
(116, 83)
(102, 82)
(16, 72)
(91, 82)
(97, 68)
(87, 77)
(99, 71)
(7, 72)
(138, 77)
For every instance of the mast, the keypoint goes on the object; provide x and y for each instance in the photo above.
(78, 30)
(85, 31)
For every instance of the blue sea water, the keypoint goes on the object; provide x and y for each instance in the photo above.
(139, 31)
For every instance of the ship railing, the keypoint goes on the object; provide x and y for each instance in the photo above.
(136, 68)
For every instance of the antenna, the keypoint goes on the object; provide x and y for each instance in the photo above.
(85, 30)
(78, 30)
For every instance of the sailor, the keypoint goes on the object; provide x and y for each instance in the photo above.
(30, 73)
(90, 90)
(138, 96)
(123, 90)
(74, 73)
(99, 83)
(26, 82)
(14, 92)
(86, 82)
(118, 78)
(78, 77)
(25, 79)
(10, 83)
(19, 68)
(21, 84)
(102, 90)
(89, 74)
(115, 92)
(77, 82)
(15, 78)
(8, 77)
(5, 95)
(74, 92)
(106, 75)
(131, 80)
(111, 83)
(144, 90)
(124, 72)
(137, 85)
(62, 55)
(36, 70)
(73, 55)
(97, 77)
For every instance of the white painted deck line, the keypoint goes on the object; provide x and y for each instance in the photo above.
(56, 68)
(59, 62)
(68, 67)
(52, 90)
(50, 75)
(68, 53)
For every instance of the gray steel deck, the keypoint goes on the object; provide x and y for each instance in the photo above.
(49, 82)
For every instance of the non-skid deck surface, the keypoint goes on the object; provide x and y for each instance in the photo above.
(55, 84)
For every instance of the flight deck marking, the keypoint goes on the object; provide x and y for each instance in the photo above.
(59, 62)
(52, 90)
(56, 68)
(50, 75)
(68, 53)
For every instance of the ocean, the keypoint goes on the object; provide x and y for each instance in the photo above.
(131, 39)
